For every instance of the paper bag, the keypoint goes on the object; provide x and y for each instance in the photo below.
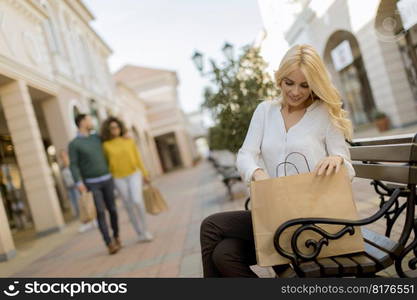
(277, 200)
(154, 202)
(87, 207)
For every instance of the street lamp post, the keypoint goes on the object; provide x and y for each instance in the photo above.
(197, 57)
(228, 51)
(198, 61)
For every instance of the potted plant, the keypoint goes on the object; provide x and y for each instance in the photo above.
(381, 120)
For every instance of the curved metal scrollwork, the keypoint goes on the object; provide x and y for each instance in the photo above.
(412, 247)
(296, 255)
(392, 214)
(317, 245)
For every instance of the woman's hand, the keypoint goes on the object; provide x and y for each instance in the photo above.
(146, 180)
(259, 174)
(329, 163)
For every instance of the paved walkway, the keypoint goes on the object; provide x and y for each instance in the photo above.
(191, 194)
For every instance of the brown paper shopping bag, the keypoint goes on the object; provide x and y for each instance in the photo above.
(87, 207)
(154, 202)
(277, 200)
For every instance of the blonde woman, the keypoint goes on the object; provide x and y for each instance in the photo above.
(128, 171)
(307, 118)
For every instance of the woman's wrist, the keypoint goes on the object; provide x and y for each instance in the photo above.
(255, 173)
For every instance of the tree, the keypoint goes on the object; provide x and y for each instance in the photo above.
(238, 86)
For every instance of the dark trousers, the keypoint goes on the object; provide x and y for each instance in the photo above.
(228, 246)
(103, 194)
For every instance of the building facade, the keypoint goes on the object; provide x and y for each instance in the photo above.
(168, 125)
(369, 52)
(53, 66)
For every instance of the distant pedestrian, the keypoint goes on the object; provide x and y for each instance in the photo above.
(90, 171)
(69, 183)
(72, 190)
(129, 172)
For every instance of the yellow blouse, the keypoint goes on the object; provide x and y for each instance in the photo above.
(123, 157)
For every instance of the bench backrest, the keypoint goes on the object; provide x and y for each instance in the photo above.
(391, 158)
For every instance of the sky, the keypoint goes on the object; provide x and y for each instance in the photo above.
(164, 34)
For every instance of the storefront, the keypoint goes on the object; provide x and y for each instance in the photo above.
(343, 58)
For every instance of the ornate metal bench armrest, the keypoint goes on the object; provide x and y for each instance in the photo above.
(310, 224)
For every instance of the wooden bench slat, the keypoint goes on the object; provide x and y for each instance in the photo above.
(380, 241)
(386, 172)
(384, 140)
(328, 266)
(310, 269)
(396, 186)
(346, 265)
(366, 265)
(385, 153)
(287, 273)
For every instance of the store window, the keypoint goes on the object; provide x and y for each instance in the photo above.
(11, 187)
(408, 49)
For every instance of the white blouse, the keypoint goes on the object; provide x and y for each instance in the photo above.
(267, 142)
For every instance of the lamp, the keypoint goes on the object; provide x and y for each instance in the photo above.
(198, 60)
(228, 50)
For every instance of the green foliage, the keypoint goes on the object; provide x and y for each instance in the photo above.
(237, 88)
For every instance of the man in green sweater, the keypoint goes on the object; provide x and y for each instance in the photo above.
(90, 171)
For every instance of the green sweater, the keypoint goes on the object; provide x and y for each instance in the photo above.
(87, 158)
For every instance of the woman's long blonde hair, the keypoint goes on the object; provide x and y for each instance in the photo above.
(318, 79)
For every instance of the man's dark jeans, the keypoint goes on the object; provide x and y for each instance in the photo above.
(103, 194)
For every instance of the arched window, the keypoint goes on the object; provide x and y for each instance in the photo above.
(75, 112)
(343, 57)
(95, 114)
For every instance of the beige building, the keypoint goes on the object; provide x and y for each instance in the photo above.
(168, 125)
(370, 52)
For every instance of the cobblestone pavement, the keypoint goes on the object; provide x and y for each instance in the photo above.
(192, 194)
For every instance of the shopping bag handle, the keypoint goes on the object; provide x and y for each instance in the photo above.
(285, 169)
(287, 162)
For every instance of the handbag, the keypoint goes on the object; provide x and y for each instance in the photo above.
(154, 201)
(87, 207)
(277, 200)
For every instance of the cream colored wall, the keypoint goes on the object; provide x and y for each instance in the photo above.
(133, 111)
(81, 56)
(22, 40)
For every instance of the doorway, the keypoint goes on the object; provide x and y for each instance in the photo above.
(168, 152)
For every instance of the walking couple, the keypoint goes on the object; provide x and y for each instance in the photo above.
(98, 163)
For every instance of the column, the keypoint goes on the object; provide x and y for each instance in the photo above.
(7, 250)
(184, 149)
(31, 157)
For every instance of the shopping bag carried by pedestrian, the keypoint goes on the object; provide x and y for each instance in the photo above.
(87, 207)
(154, 201)
(277, 200)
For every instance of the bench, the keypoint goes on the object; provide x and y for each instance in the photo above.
(230, 175)
(388, 159)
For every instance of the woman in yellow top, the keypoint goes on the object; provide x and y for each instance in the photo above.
(128, 170)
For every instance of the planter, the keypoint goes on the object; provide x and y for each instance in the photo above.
(382, 124)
